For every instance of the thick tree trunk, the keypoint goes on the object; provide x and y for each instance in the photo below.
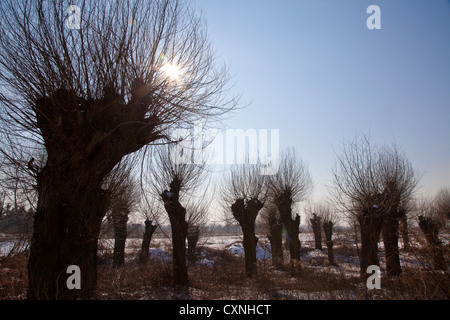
(328, 230)
(84, 140)
(292, 234)
(276, 241)
(66, 228)
(430, 229)
(284, 204)
(120, 236)
(192, 238)
(245, 214)
(390, 239)
(179, 232)
(147, 237)
(317, 230)
(177, 218)
(370, 227)
(250, 241)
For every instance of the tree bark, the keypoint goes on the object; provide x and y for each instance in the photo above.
(66, 228)
(147, 237)
(177, 218)
(245, 213)
(284, 203)
(317, 230)
(430, 229)
(370, 223)
(390, 239)
(120, 219)
(276, 241)
(328, 230)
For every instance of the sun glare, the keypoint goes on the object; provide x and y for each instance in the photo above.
(172, 71)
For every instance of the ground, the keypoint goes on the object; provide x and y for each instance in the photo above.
(219, 272)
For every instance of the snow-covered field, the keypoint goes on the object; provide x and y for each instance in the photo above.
(160, 248)
(321, 281)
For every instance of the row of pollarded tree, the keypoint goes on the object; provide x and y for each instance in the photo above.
(175, 184)
(245, 192)
(75, 103)
(321, 216)
(375, 186)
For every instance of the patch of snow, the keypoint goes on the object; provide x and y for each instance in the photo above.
(236, 249)
(6, 247)
(161, 255)
(315, 254)
(262, 250)
(206, 262)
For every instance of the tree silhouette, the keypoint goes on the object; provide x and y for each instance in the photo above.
(88, 97)
(371, 184)
(173, 181)
(244, 192)
(292, 183)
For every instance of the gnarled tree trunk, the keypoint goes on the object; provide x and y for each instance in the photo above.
(284, 203)
(370, 223)
(177, 218)
(84, 140)
(147, 237)
(120, 219)
(390, 239)
(246, 213)
(276, 241)
(66, 228)
(328, 230)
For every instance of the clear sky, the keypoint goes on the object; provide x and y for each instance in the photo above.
(313, 70)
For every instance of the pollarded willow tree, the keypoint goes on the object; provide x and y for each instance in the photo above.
(442, 206)
(433, 216)
(275, 233)
(197, 210)
(89, 86)
(174, 181)
(150, 210)
(356, 191)
(124, 197)
(398, 182)
(323, 215)
(372, 184)
(292, 183)
(243, 194)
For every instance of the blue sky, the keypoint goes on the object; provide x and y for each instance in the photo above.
(313, 70)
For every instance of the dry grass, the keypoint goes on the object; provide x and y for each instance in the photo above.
(13, 277)
(225, 279)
